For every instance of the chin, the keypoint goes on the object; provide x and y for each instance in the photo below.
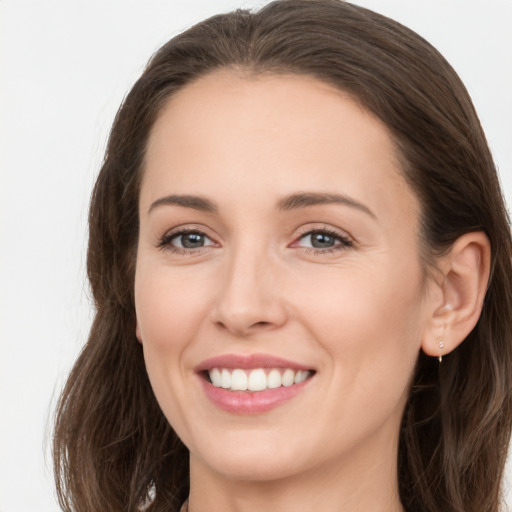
(255, 460)
(253, 469)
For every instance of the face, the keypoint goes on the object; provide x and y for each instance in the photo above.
(279, 290)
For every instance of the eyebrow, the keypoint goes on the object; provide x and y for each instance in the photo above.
(187, 201)
(291, 202)
(304, 199)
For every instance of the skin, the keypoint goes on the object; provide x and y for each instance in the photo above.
(357, 314)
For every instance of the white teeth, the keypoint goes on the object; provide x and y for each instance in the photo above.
(225, 381)
(288, 377)
(257, 379)
(274, 379)
(238, 380)
(300, 376)
(216, 377)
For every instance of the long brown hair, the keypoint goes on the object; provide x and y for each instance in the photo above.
(114, 449)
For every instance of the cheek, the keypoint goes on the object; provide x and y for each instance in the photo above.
(167, 310)
(361, 300)
(370, 323)
(167, 307)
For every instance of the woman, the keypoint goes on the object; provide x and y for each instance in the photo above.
(300, 259)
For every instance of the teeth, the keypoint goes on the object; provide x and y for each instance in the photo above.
(225, 379)
(288, 377)
(274, 379)
(301, 376)
(238, 380)
(256, 380)
(216, 377)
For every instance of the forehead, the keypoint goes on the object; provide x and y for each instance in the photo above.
(264, 103)
(288, 131)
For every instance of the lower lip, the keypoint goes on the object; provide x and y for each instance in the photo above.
(247, 402)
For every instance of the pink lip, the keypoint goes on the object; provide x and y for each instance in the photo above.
(247, 402)
(248, 362)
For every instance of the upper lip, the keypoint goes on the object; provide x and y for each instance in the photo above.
(248, 362)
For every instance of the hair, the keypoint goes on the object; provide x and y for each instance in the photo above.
(113, 448)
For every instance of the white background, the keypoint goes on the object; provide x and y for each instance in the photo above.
(65, 66)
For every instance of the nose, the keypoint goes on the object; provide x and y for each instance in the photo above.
(250, 298)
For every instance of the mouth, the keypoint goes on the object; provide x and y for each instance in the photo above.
(255, 380)
(252, 384)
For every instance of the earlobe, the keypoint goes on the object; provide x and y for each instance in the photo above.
(137, 332)
(462, 286)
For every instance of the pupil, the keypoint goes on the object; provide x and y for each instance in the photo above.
(321, 240)
(192, 240)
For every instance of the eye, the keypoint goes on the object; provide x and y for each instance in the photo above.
(189, 240)
(323, 240)
(185, 240)
(319, 240)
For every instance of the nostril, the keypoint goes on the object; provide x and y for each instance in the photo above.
(241, 330)
(261, 324)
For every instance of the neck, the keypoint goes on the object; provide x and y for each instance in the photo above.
(354, 486)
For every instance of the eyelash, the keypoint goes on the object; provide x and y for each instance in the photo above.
(345, 242)
(165, 242)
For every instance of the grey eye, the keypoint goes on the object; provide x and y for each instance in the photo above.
(190, 240)
(321, 240)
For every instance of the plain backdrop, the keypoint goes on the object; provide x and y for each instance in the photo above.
(65, 66)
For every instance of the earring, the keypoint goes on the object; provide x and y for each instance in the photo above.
(441, 346)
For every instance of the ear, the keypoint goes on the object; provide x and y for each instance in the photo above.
(457, 302)
(137, 331)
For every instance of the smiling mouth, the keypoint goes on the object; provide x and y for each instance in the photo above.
(254, 380)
